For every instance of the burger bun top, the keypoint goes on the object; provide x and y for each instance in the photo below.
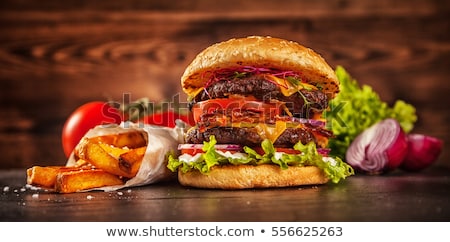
(257, 51)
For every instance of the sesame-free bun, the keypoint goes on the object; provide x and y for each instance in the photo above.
(230, 177)
(260, 51)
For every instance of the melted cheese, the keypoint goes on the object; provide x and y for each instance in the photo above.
(287, 88)
(271, 132)
(192, 93)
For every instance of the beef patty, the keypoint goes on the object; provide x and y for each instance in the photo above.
(250, 137)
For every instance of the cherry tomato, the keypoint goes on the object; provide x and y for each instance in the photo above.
(85, 118)
(166, 118)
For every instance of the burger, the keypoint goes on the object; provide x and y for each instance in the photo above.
(257, 103)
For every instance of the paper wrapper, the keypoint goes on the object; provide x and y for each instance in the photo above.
(161, 141)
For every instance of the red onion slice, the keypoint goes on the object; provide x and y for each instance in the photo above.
(323, 151)
(230, 147)
(423, 151)
(380, 148)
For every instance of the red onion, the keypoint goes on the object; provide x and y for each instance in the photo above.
(422, 152)
(230, 147)
(323, 151)
(380, 148)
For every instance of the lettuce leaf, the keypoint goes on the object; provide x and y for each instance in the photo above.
(334, 168)
(356, 108)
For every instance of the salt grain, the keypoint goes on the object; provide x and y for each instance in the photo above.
(120, 193)
(6, 189)
(36, 195)
(89, 197)
(31, 187)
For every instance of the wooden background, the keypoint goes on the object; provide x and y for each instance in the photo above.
(56, 55)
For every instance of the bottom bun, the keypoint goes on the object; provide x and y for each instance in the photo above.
(248, 176)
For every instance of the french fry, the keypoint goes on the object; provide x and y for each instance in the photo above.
(100, 158)
(108, 157)
(46, 176)
(131, 140)
(81, 162)
(101, 161)
(74, 181)
(131, 160)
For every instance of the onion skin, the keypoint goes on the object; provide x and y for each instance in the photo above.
(378, 149)
(423, 151)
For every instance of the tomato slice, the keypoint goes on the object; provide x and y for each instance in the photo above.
(236, 104)
(287, 150)
(193, 149)
(292, 151)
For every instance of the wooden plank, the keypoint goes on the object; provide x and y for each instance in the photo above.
(57, 55)
(234, 8)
